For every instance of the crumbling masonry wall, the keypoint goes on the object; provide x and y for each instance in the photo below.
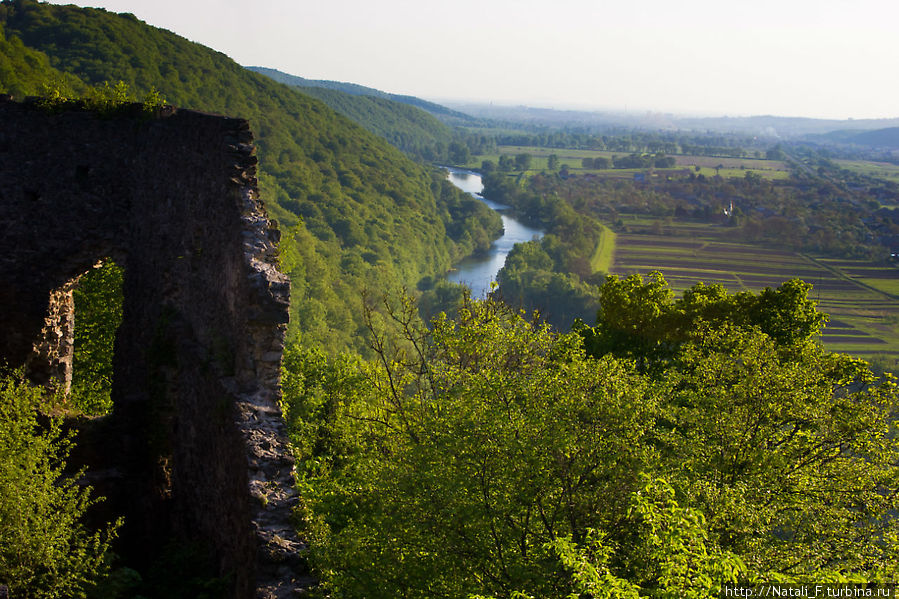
(194, 449)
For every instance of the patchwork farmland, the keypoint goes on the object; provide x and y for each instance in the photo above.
(862, 299)
(705, 165)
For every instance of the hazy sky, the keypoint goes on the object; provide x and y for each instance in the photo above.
(816, 58)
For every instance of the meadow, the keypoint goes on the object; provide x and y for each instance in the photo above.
(708, 166)
(734, 167)
(879, 170)
(604, 254)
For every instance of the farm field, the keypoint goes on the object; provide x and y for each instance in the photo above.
(862, 299)
(879, 170)
(708, 165)
(601, 260)
(735, 167)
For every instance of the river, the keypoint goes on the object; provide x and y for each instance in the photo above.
(477, 272)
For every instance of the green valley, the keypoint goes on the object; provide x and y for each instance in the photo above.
(746, 223)
(684, 384)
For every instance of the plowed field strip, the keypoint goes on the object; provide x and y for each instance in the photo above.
(850, 340)
(872, 273)
(864, 317)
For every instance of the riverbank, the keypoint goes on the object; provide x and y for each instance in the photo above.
(479, 271)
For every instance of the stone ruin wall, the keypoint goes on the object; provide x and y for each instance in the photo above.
(195, 448)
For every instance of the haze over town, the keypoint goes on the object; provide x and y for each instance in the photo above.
(822, 58)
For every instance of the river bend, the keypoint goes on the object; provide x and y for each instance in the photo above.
(478, 271)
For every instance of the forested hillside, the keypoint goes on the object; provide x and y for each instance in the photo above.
(409, 123)
(355, 213)
(406, 127)
(878, 138)
(447, 115)
(27, 72)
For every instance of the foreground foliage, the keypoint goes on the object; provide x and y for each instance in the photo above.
(98, 309)
(45, 550)
(492, 456)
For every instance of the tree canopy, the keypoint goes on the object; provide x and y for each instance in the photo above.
(641, 319)
(491, 456)
(45, 549)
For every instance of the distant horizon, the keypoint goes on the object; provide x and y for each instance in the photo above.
(574, 107)
(827, 59)
(449, 102)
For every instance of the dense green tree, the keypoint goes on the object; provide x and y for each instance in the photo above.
(533, 279)
(459, 153)
(775, 153)
(632, 161)
(444, 296)
(98, 310)
(491, 456)
(632, 319)
(447, 468)
(640, 318)
(45, 549)
(523, 161)
(674, 547)
(800, 436)
(409, 128)
(662, 161)
(27, 72)
(752, 178)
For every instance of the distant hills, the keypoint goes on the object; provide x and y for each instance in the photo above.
(493, 115)
(446, 115)
(785, 127)
(600, 121)
(887, 138)
(407, 126)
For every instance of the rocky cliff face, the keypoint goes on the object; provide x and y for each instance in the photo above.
(195, 448)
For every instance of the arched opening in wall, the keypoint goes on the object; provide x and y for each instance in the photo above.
(98, 314)
(190, 444)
